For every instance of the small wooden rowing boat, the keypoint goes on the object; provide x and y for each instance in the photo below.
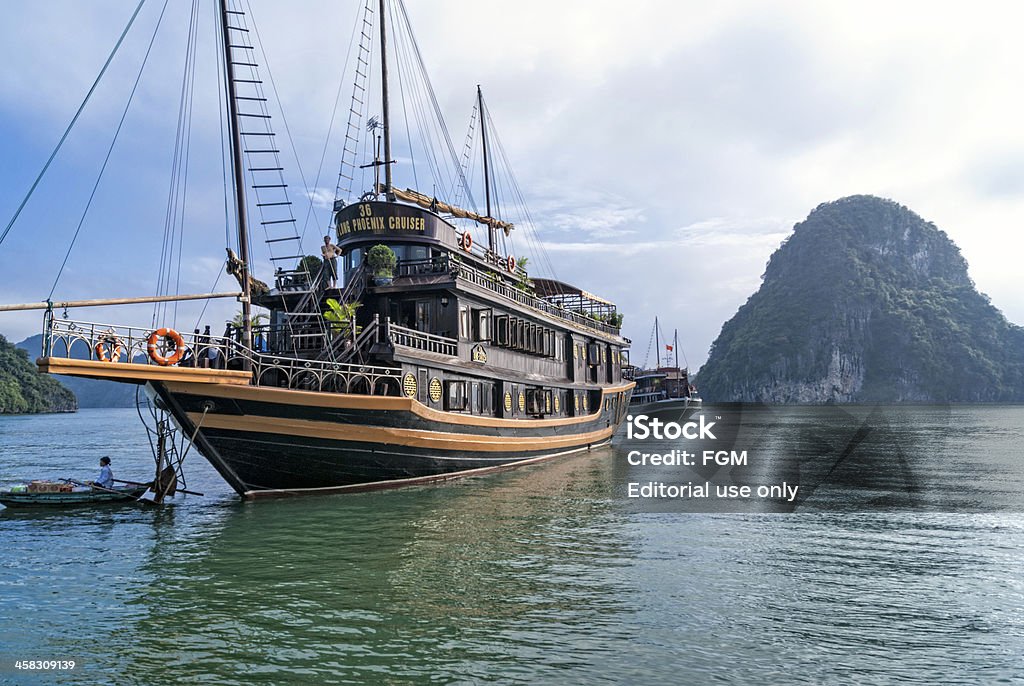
(23, 499)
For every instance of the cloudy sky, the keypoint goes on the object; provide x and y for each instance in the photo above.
(665, 148)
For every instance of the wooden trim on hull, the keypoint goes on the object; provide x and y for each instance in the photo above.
(131, 372)
(439, 440)
(382, 403)
(413, 481)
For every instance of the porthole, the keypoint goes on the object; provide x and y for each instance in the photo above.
(409, 385)
(435, 389)
(522, 401)
(508, 402)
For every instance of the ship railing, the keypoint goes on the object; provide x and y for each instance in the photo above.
(628, 372)
(428, 342)
(428, 267)
(86, 341)
(443, 264)
(127, 344)
(324, 376)
(494, 282)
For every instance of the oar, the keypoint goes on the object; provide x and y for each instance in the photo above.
(150, 484)
(109, 490)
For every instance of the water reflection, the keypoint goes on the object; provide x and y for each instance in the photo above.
(359, 585)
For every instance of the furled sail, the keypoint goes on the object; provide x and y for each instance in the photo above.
(435, 205)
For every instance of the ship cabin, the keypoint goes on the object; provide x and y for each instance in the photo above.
(460, 327)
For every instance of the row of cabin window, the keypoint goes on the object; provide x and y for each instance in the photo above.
(463, 396)
(509, 332)
(403, 252)
(588, 354)
(479, 398)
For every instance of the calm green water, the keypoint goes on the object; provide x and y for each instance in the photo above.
(542, 575)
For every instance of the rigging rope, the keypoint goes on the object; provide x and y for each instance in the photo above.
(110, 150)
(330, 128)
(74, 119)
(175, 190)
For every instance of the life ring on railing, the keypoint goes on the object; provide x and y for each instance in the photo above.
(116, 348)
(510, 263)
(174, 337)
(466, 241)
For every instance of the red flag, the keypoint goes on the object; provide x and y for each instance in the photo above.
(668, 348)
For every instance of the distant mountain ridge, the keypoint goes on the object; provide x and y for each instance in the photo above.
(866, 301)
(23, 390)
(90, 392)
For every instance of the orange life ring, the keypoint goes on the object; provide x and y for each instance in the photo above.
(174, 337)
(511, 263)
(115, 352)
(466, 242)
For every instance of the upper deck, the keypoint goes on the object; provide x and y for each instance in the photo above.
(427, 245)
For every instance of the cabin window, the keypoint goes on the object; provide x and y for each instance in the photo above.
(520, 335)
(416, 252)
(487, 393)
(501, 330)
(478, 401)
(464, 322)
(535, 401)
(353, 258)
(549, 343)
(455, 398)
(556, 343)
(423, 316)
(594, 353)
(482, 325)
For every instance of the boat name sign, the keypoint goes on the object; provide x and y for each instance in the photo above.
(371, 217)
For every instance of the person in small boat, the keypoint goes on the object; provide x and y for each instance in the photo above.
(106, 477)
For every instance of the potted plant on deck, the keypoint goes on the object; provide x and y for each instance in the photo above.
(382, 261)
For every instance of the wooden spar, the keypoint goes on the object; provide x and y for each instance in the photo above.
(114, 301)
(435, 205)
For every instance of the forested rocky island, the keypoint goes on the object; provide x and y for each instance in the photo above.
(23, 390)
(866, 302)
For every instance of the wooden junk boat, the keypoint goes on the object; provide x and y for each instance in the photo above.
(448, 361)
(23, 498)
(664, 390)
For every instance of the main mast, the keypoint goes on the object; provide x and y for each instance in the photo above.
(657, 346)
(239, 178)
(487, 175)
(384, 106)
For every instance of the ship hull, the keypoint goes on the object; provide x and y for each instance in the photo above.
(279, 442)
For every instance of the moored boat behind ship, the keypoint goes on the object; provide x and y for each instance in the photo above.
(664, 391)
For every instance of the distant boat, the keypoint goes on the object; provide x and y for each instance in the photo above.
(15, 498)
(664, 389)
